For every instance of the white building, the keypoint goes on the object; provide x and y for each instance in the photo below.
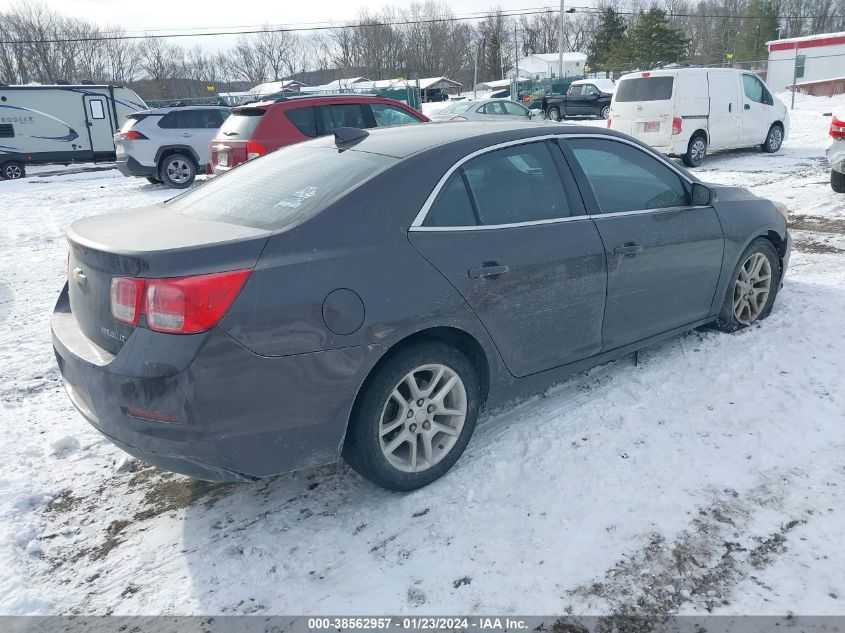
(547, 65)
(814, 60)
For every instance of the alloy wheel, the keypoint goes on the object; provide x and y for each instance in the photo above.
(423, 418)
(178, 171)
(12, 172)
(605, 112)
(697, 151)
(775, 139)
(554, 115)
(752, 288)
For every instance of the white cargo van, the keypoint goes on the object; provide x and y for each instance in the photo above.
(60, 124)
(686, 112)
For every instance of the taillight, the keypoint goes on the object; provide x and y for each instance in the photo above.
(646, 74)
(677, 124)
(254, 150)
(178, 305)
(608, 122)
(459, 118)
(837, 128)
(132, 135)
(127, 296)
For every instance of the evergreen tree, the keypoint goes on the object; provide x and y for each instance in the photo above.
(609, 33)
(759, 26)
(651, 42)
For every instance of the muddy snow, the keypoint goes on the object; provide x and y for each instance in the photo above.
(710, 478)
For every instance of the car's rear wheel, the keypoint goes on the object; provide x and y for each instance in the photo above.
(605, 112)
(751, 295)
(774, 139)
(12, 170)
(414, 418)
(837, 181)
(554, 114)
(696, 151)
(177, 170)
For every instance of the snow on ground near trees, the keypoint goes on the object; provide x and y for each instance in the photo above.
(709, 477)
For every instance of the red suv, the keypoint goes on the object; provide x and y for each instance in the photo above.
(255, 129)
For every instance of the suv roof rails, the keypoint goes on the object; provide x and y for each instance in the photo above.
(333, 95)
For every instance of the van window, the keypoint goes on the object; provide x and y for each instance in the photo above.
(645, 89)
(7, 130)
(97, 111)
(755, 90)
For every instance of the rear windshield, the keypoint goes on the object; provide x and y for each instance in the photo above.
(241, 123)
(282, 188)
(645, 89)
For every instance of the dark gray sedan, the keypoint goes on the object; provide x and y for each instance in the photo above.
(366, 295)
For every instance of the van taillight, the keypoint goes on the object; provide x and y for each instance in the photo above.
(127, 296)
(837, 128)
(178, 305)
(254, 150)
(677, 125)
(608, 122)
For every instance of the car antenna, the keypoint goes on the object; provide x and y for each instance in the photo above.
(349, 134)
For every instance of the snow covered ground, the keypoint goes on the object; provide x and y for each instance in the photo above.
(711, 477)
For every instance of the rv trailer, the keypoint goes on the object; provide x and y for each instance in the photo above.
(60, 124)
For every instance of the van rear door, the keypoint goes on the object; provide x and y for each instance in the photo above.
(643, 107)
(725, 121)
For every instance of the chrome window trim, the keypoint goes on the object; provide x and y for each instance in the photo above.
(417, 224)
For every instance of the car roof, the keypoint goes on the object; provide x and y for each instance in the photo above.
(405, 140)
(351, 96)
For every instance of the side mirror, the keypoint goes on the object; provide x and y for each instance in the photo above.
(701, 195)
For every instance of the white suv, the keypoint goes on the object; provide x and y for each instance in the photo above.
(836, 153)
(168, 145)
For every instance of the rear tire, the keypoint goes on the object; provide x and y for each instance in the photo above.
(605, 112)
(177, 171)
(396, 437)
(774, 139)
(553, 114)
(754, 285)
(696, 151)
(12, 170)
(837, 181)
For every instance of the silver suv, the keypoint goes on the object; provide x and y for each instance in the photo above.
(168, 145)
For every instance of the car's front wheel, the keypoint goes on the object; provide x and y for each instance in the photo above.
(177, 170)
(774, 139)
(837, 181)
(12, 170)
(751, 295)
(414, 418)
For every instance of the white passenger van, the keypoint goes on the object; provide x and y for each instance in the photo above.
(60, 124)
(686, 112)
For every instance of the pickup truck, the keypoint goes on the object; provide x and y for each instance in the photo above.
(585, 97)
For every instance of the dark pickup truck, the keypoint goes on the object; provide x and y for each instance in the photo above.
(582, 99)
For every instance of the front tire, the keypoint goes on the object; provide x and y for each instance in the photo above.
(554, 114)
(696, 151)
(774, 139)
(751, 295)
(177, 171)
(837, 181)
(414, 418)
(12, 170)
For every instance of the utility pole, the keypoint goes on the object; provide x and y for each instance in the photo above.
(560, 44)
(515, 92)
(794, 76)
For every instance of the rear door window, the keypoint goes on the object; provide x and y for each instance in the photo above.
(453, 206)
(341, 115)
(303, 120)
(241, 124)
(514, 108)
(624, 178)
(645, 89)
(208, 119)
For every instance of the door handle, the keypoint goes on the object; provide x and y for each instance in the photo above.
(487, 269)
(186, 135)
(730, 107)
(628, 250)
(747, 106)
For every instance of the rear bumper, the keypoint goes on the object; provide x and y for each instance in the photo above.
(240, 415)
(128, 166)
(836, 155)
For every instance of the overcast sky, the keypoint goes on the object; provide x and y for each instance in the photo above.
(140, 15)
